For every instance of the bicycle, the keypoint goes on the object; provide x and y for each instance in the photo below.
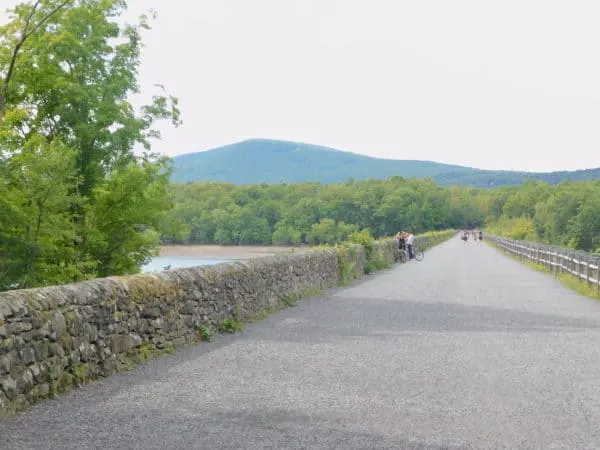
(418, 255)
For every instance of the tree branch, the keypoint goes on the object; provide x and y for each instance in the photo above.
(47, 16)
(24, 35)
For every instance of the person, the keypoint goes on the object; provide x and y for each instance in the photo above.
(401, 240)
(480, 236)
(465, 236)
(409, 245)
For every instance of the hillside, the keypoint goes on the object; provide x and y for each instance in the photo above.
(274, 162)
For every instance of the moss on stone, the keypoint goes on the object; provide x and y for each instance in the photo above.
(80, 373)
(64, 382)
(147, 288)
(66, 342)
(6, 343)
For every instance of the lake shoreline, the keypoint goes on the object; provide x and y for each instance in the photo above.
(223, 251)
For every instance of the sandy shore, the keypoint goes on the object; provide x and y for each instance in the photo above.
(219, 251)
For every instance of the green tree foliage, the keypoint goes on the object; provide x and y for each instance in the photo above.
(566, 214)
(316, 214)
(78, 201)
(312, 213)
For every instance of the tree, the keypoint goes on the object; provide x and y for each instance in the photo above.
(323, 232)
(127, 212)
(68, 70)
(34, 244)
(14, 37)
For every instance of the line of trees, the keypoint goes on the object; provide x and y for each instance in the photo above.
(566, 214)
(313, 213)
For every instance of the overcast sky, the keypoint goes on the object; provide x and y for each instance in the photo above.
(512, 84)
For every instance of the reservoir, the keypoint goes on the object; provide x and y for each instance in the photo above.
(182, 256)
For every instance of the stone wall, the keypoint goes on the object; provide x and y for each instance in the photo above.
(57, 337)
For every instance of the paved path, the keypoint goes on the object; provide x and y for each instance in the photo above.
(466, 349)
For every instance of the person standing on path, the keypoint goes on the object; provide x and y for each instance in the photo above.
(401, 238)
(409, 245)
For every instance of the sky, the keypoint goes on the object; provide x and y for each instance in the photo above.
(512, 84)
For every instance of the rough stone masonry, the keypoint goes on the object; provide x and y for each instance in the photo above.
(54, 338)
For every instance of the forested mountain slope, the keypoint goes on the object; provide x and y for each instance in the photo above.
(276, 162)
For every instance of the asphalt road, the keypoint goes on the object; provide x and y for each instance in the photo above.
(466, 349)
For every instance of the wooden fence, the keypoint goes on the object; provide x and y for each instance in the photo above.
(585, 266)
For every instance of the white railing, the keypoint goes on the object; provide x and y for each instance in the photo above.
(585, 266)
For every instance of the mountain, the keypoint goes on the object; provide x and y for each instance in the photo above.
(273, 162)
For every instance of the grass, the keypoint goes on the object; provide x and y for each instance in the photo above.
(566, 279)
(205, 333)
(145, 352)
(230, 326)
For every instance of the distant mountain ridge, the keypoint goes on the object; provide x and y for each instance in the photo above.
(275, 162)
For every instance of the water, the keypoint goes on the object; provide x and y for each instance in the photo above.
(159, 263)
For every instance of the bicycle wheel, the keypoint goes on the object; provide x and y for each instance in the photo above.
(403, 256)
(419, 256)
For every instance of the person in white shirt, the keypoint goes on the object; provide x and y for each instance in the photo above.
(409, 245)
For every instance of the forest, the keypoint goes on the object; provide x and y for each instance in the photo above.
(565, 214)
(315, 214)
(78, 201)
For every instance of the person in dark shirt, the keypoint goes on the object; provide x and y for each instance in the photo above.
(401, 238)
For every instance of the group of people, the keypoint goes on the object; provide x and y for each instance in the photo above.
(405, 242)
(477, 235)
(406, 239)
